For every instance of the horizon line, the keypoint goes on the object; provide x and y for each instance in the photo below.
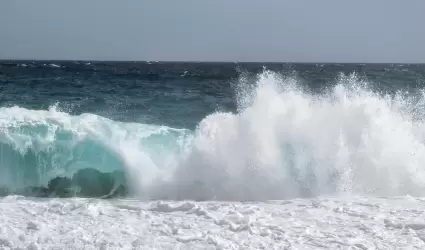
(206, 61)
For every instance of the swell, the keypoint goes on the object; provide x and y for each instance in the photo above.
(283, 142)
(41, 146)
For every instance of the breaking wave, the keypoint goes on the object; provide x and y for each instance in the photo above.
(283, 142)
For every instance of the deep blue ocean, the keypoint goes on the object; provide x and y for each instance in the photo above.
(210, 130)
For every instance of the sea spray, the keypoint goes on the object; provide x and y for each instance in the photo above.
(285, 142)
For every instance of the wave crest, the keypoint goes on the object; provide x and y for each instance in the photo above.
(39, 145)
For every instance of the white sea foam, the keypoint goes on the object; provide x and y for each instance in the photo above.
(342, 223)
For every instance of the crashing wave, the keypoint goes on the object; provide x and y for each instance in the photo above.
(283, 142)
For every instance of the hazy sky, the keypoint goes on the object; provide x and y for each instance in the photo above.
(214, 30)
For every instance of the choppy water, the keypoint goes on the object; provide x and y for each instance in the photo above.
(224, 131)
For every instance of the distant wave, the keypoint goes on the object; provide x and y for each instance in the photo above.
(282, 143)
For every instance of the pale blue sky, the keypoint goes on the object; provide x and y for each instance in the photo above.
(214, 30)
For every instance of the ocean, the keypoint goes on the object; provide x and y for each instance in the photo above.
(192, 155)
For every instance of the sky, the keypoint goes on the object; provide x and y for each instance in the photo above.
(214, 30)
